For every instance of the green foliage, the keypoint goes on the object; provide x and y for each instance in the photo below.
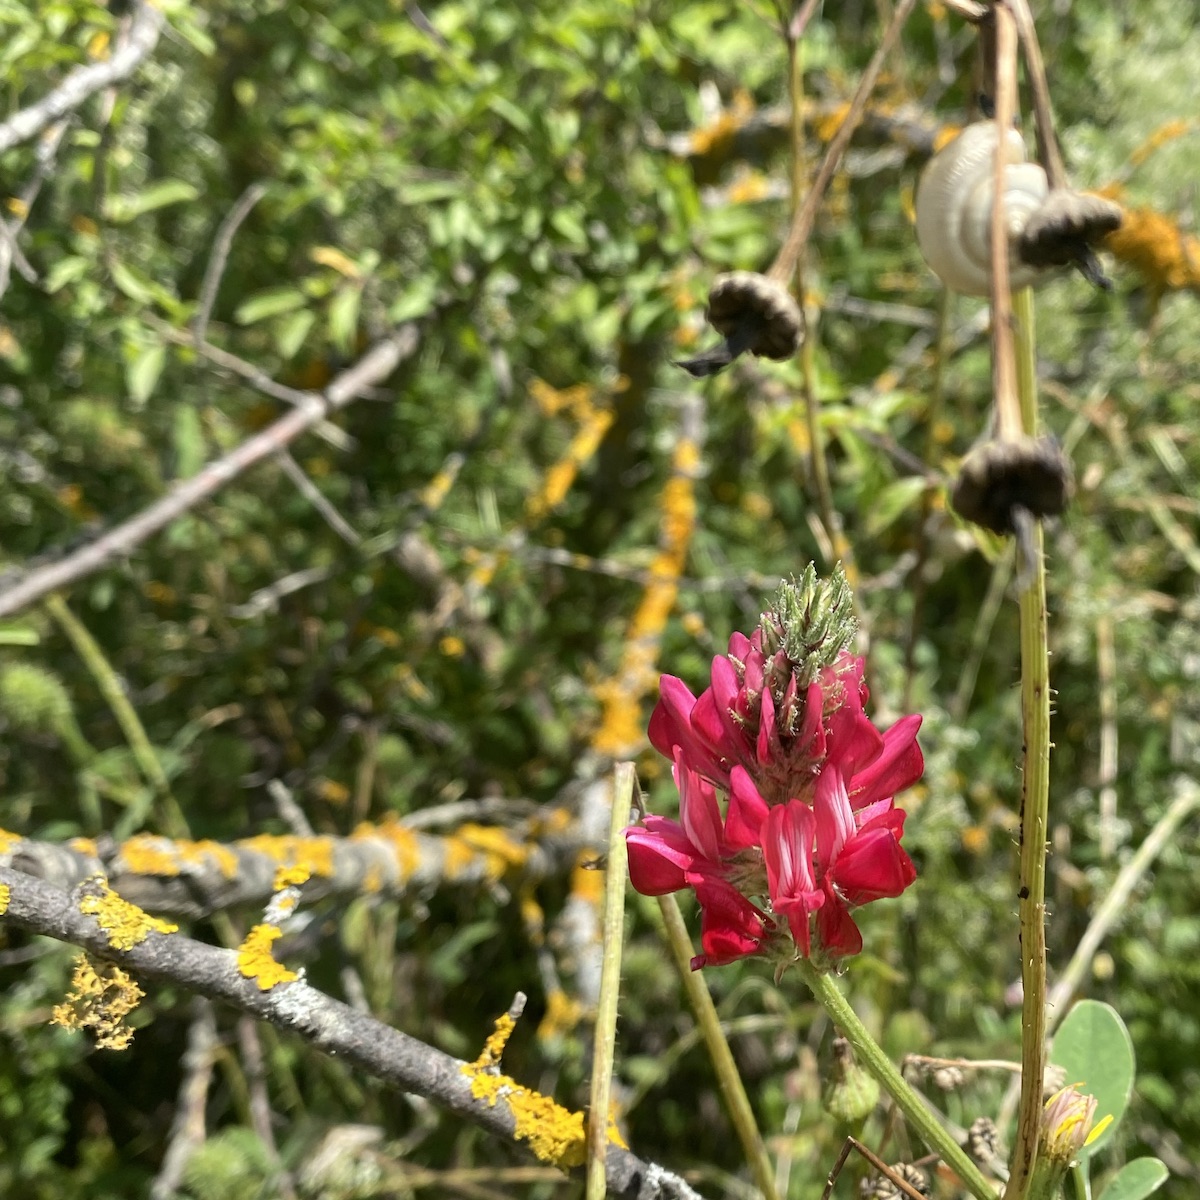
(505, 177)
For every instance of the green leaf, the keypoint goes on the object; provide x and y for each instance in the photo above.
(1136, 1179)
(893, 501)
(65, 271)
(415, 302)
(120, 209)
(131, 284)
(343, 318)
(1095, 1050)
(269, 303)
(291, 332)
(142, 373)
(190, 450)
(18, 635)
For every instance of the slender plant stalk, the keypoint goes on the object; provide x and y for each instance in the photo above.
(920, 1117)
(728, 1079)
(106, 679)
(605, 1034)
(1035, 797)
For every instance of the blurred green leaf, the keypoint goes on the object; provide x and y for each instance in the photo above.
(1136, 1180)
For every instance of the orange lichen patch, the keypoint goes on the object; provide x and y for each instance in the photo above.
(315, 853)
(148, 854)
(754, 185)
(404, 844)
(287, 877)
(826, 126)
(158, 592)
(1164, 133)
(555, 1134)
(101, 998)
(5, 897)
(470, 842)
(621, 726)
(533, 917)
(562, 474)
(975, 839)
(333, 791)
(576, 400)
(438, 488)
(587, 883)
(1153, 245)
(563, 1013)
(125, 923)
(945, 136)
(83, 845)
(716, 136)
(452, 647)
(9, 841)
(255, 960)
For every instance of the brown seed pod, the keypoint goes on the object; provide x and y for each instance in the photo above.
(983, 1140)
(884, 1189)
(754, 315)
(999, 477)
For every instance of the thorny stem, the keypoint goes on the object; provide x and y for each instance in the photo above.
(867, 1050)
(784, 266)
(729, 1080)
(1035, 799)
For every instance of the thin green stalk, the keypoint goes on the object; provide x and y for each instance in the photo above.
(870, 1054)
(1035, 796)
(106, 679)
(605, 1035)
(728, 1079)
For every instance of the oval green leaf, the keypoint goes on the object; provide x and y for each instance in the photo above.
(1095, 1050)
(1136, 1179)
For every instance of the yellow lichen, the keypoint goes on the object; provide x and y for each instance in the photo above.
(8, 840)
(5, 897)
(563, 1013)
(1153, 245)
(82, 845)
(147, 854)
(101, 999)
(404, 844)
(286, 877)
(471, 842)
(125, 923)
(587, 883)
(255, 960)
(595, 424)
(555, 1134)
(315, 853)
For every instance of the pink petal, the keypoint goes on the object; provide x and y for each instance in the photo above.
(836, 930)
(699, 813)
(899, 765)
(787, 851)
(834, 816)
(730, 926)
(746, 813)
(873, 866)
(670, 722)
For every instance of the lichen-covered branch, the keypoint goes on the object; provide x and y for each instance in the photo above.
(193, 879)
(503, 1109)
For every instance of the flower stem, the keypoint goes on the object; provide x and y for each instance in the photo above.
(732, 1089)
(1035, 796)
(867, 1050)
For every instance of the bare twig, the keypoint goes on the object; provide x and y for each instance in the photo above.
(311, 493)
(377, 364)
(10, 251)
(400, 1061)
(222, 244)
(260, 1101)
(86, 81)
(187, 1129)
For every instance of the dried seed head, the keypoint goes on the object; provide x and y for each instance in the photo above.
(754, 315)
(983, 1140)
(742, 297)
(1065, 225)
(883, 1188)
(999, 477)
(948, 1079)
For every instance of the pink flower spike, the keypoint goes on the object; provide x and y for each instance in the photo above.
(730, 926)
(787, 851)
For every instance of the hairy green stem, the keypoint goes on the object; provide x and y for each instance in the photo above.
(1035, 797)
(728, 1078)
(921, 1119)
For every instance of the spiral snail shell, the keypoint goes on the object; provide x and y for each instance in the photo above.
(954, 208)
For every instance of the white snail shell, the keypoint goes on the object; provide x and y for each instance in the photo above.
(954, 208)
